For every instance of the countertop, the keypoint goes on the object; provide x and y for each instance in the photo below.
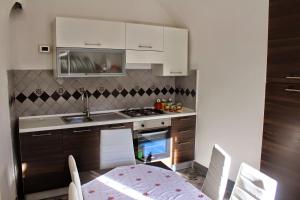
(54, 122)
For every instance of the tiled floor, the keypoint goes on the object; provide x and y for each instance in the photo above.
(191, 174)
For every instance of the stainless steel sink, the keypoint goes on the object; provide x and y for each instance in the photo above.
(94, 117)
(107, 116)
(76, 119)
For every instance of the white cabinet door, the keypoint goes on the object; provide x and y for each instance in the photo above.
(86, 33)
(175, 53)
(144, 37)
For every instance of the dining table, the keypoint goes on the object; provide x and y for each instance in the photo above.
(141, 182)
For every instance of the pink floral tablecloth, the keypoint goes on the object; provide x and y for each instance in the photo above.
(141, 182)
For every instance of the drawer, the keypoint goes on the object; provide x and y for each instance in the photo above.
(41, 145)
(180, 123)
(180, 156)
(184, 145)
(183, 136)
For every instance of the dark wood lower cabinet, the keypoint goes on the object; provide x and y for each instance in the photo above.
(84, 145)
(44, 155)
(281, 139)
(183, 137)
(42, 161)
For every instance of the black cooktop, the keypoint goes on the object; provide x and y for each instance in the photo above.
(140, 112)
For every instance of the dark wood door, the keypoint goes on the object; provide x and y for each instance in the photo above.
(284, 41)
(84, 145)
(42, 161)
(281, 139)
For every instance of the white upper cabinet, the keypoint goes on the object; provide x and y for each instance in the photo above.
(175, 53)
(86, 33)
(144, 37)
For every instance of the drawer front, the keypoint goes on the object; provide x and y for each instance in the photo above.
(180, 156)
(41, 146)
(84, 145)
(181, 123)
(183, 135)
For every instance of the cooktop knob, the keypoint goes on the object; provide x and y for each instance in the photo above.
(162, 123)
(143, 125)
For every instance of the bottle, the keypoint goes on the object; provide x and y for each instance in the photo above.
(158, 105)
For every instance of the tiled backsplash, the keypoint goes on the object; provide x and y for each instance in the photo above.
(37, 92)
(187, 83)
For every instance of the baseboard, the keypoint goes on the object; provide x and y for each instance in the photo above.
(181, 166)
(203, 171)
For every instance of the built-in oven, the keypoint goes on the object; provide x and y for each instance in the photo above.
(152, 139)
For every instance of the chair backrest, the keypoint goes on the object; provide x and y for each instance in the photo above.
(72, 194)
(116, 148)
(215, 182)
(253, 184)
(75, 176)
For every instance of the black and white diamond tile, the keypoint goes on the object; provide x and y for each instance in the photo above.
(37, 92)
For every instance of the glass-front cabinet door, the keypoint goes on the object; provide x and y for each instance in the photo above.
(72, 62)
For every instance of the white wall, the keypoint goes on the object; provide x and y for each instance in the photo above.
(228, 44)
(7, 178)
(33, 26)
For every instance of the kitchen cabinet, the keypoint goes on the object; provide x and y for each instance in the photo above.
(281, 134)
(144, 37)
(84, 145)
(175, 55)
(87, 33)
(89, 62)
(281, 138)
(88, 48)
(183, 138)
(44, 155)
(43, 164)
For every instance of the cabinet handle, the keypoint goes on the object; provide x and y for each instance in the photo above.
(184, 143)
(185, 119)
(292, 77)
(82, 131)
(175, 72)
(116, 127)
(92, 44)
(145, 46)
(41, 135)
(291, 90)
(184, 132)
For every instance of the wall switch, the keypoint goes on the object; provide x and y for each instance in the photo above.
(44, 49)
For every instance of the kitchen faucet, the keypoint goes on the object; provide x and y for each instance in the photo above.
(85, 97)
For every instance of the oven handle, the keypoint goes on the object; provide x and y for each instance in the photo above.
(152, 133)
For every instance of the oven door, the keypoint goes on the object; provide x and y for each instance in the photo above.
(152, 145)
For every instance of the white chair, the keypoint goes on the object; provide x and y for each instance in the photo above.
(252, 184)
(215, 182)
(72, 194)
(75, 176)
(116, 148)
